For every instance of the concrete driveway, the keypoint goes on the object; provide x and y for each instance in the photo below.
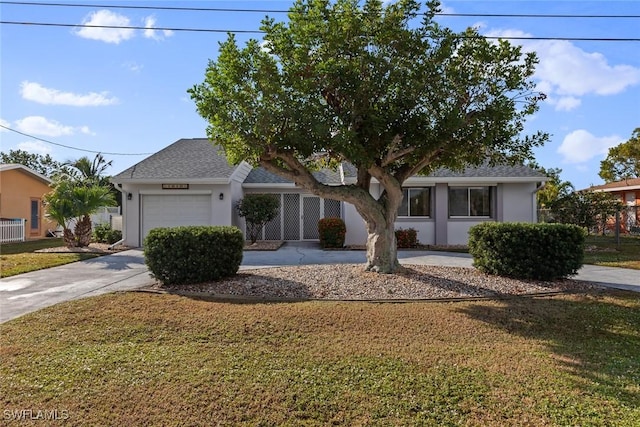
(126, 270)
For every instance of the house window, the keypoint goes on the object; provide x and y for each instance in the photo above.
(470, 201)
(416, 202)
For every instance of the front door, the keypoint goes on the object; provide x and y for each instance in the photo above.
(310, 217)
(34, 220)
(630, 199)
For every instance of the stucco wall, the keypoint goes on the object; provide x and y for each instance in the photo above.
(221, 210)
(17, 189)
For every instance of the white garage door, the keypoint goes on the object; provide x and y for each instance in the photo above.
(174, 210)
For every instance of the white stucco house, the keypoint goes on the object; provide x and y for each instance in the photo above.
(190, 183)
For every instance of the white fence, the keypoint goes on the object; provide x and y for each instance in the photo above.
(104, 215)
(12, 230)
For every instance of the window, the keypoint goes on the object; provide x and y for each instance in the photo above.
(415, 202)
(470, 201)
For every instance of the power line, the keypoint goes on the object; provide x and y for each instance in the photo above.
(210, 30)
(127, 27)
(73, 148)
(215, 9)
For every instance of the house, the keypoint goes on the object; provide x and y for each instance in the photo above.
(628, 192)
(21, 193)
(191, 183)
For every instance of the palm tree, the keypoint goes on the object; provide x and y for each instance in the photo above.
(91, 170)
(72, 203)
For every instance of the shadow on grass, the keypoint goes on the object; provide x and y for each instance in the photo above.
(595, 337)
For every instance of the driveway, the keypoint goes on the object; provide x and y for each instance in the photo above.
(126, 271)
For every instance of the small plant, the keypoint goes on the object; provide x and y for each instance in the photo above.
(257, 210)
(406, 238)
(332, 232)
(103, 233)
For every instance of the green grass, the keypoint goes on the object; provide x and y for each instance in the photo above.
(606, 251)
(148, 359)
(18, 258)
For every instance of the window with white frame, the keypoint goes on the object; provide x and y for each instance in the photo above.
(415, 202)
(470, 202)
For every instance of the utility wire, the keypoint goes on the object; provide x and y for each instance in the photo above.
(209, 30)
(73, 148)
(208, 9)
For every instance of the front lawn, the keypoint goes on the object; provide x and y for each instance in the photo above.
(17, 258)
(149, 359)
(606, 251)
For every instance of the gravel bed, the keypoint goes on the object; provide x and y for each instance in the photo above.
(351, 282)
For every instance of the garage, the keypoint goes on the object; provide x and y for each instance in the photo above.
(174, 210)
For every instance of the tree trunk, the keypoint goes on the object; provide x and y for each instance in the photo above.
(382, 250)
(83, 231)
(69, 238)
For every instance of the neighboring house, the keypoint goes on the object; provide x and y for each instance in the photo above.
(628, 192)
(21, 193)
(191, 183)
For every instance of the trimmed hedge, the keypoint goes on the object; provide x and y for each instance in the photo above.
(193, 254)
(527, 251)
(406, 238)
(332, 232)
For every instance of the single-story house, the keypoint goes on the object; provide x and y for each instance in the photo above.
(628, 192)
(190, 183)
(21, 192)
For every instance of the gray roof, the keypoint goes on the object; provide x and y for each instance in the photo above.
(263, 176)
(198, 158)
(501, 171)
(195, 158)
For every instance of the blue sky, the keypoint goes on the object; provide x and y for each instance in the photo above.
(124, 91)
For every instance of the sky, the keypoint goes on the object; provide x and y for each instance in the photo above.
(123, 92)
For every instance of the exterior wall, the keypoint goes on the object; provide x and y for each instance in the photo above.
(511, 202)
(519, 202)
(17, 190)
(131, 209)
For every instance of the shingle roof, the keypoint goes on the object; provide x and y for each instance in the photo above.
(618, 185)
(195, 158)
(501, 171)
(262, 176)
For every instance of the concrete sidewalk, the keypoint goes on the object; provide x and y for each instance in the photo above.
(126, 270)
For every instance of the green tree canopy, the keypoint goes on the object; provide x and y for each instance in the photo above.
(623, 161)
(385, 88)
(43, 164)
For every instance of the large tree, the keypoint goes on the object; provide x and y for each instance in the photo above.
(623, 161)
(384, 88)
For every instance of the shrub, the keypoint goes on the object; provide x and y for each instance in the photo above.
(193, 254)
(406, 238)
(332, 232)
(257, 210)
(527, 251)
(103, 233)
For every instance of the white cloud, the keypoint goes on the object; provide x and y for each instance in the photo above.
(35, 92)
(133, 66)
(150, 33)
(565, 103)
(108, 35)
(580, 146)
(5, 124)
(38, 125)
(34, 147)
(566, 72)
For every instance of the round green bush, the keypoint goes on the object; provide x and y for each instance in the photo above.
(527, 251)
(193, 254)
